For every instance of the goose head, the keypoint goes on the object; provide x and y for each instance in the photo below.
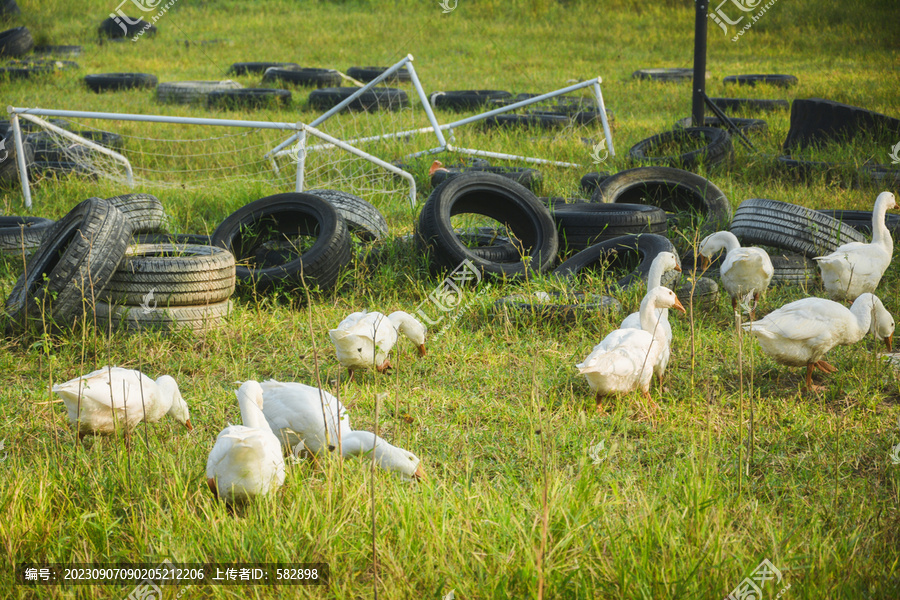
(411, 327)
(715, 243)
(883, 324)
(168, 389)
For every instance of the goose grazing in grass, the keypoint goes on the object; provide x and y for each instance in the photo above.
(113, 397)
(298, 415)
(856, 268)
(626, 359)
(663, 262)
(744, 271)
(364, 339)
(246, 460)
(801, 333)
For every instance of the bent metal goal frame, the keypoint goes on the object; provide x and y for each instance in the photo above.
(34, 114)
(299, 151)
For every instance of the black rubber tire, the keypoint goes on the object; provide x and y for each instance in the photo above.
(144, 211)
(565, 306)
(745, 125)
(104, 138)
(881, 176)
(784, 81)
(367, 74)
(73, 263)
(102, 82)
(16, 42)
(672, 190)
(303, 76)
(490, 244)
(195, 239)
(187, 92)
(18, 233)
(664, 74)
(861, 220)
(642, 247)
(247, 68)
(815, 122)
(582, 225)
(171, 275)
(495, 197)
(591, 181)
(790, 227)
(793, 269)
(704, 294)
(111, 30)
(192, 318)
(29, 127)
(24, 72)
(9, 168)
(376, 98)
(717, 148)
(249, 98)
(530, 178)
(739, 104)
(543, 120)
(363, 219)
(466, 99)
(9, 8)
(58, 50)
(288, 214)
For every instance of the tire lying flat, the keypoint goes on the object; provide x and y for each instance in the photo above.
(582, 225)
(716, 148)
(618, 251)
(22, 233)
(192, 318)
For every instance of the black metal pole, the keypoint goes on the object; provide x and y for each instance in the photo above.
(699, 63)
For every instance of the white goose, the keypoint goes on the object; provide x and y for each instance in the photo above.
(113, 397)
(627, 358)
(744, 270)
(663, 262)
(802, 332)
(856, 268)
(298, 415)
(364, 339)
(246, 460)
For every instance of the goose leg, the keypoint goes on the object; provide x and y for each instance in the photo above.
(809, 384)
(599, 399)
(734, 304)
(350, 376)
(825, 367)
(212, 487)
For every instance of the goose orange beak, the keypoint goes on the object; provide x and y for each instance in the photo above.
(679, 306)
(421, 349)
(187, 424)
(704, 262)
(677, 268)
(889, 340)
(420, 473)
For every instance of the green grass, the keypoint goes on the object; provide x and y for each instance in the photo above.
(734, 466)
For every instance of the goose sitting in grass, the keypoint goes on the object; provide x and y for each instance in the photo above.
(626, 359)
(663, 262)
(246, 460)
(801, 333)
(364, 339)
(113, 397)
(298, 415)
(856, 268)
(744, 271)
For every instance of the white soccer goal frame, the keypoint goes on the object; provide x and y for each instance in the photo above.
(301, 148)
(34, 114)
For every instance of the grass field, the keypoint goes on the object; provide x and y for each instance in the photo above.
(684, 500)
